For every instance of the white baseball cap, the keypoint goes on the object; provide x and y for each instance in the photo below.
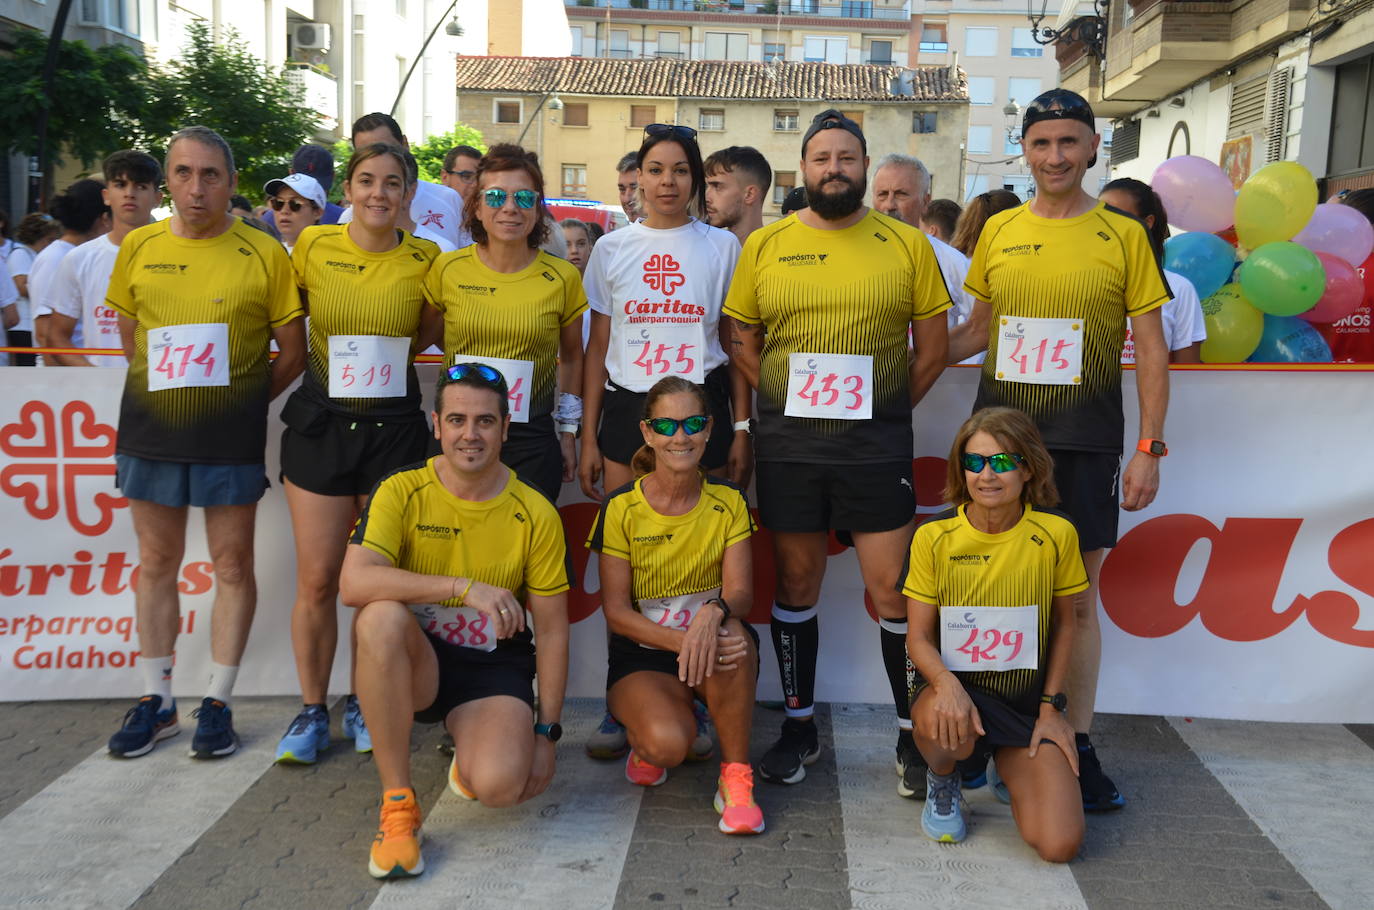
(305, 185)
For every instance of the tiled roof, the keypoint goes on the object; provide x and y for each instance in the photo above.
(667, 78)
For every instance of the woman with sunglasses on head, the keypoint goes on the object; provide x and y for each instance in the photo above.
(655, 288)
(297, 201)
(990, 606)
(357, 414)
(506, 303)
(676, 584)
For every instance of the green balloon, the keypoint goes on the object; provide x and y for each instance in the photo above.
(1283, 278)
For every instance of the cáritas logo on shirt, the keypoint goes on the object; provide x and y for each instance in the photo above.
(437, 532)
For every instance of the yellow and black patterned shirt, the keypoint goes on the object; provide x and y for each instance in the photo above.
(351, 291)
(851, 291)
(236, 286)
(1097, 268)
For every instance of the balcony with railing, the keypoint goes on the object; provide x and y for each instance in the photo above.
(844, 9)
(319, 92)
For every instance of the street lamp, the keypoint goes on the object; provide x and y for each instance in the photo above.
(1090, 30)
(555, 104)
(452, 28)
(1012, 112)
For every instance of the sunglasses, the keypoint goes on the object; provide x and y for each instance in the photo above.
(480, 370)
(1001, 463)
(667, 426)
(465, 176)
(496, 198)
(659, 130)
(294, 204)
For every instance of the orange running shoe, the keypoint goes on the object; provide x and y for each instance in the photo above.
(739, 814)
(396, 849)
(638, 771)
(455, 783)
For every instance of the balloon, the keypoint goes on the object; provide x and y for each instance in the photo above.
(1339, 230)
(1229, 235)
(1234, 326)
(1344, 291)
(1287, 339)
(1204, 259)
(1283, 279)
(1197, 195)
(1275, 203)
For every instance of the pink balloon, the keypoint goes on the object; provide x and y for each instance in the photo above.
(1344, 290)
(1339, 230)
(1197, 195)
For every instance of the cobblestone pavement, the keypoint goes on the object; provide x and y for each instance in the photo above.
(1219, 814)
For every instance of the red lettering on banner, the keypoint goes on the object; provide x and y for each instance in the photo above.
(195, 577)
(1335, 614)
(578, 518)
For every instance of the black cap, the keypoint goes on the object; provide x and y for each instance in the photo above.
(316, 161)
(832, 119)
(1060, 104)
(794, 200)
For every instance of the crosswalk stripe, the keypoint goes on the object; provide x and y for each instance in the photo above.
(893, 865)
(565, 847)
(1307, 787)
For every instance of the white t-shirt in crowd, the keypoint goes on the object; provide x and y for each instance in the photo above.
(660, 287)
(82, 281)
(443, 243)
(19, 260)
(8, 294)
(556, 244)
(1183, 321)
(436, 207)
(43, 275)
(954, 267)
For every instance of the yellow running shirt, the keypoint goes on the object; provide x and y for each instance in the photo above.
(353, 292)
(184, 400)
(1061, 289)
(851, 292)
(953, 564)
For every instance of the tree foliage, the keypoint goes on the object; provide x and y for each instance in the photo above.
(429, 155)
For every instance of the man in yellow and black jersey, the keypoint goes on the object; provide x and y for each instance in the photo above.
(199, 297)
(441, 564)
(1054, 282)
(821, 305)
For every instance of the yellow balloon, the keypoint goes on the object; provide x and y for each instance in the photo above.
(1234, 326)
(1275, 203)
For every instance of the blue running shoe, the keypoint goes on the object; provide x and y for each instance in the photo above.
(943, 817)
(704, 745)
(999, 786)
(973, 771)
(144, 724)
(215, 736)
(307, 736)
(609, 741)
(354, 727)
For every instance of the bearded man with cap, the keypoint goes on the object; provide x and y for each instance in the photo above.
(1054, 281)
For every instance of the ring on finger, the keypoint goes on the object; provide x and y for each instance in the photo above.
(504, 611)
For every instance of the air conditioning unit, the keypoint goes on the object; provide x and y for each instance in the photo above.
(311, 36)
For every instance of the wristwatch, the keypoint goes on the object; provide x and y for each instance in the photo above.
(1058, 701)
(724, 607)
(1155, 447)
(552, 732)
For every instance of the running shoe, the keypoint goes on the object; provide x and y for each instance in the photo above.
(943, 817)
(704, 746)
(396, 848)
(455, 783)
(609, 742)
(642, 773)
(999, 786)
(739, 814)
(215, 736)
(144, 724)
(798, 746)
(307, 736)
(354, 727)
(1099, 793)
(973, 771)
(911, 768)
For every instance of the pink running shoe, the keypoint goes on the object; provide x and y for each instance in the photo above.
(739, 814)
(638, 771)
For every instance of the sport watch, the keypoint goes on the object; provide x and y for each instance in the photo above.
(724, 607)
(1155, 447)
(552, 732)
(1059, 701)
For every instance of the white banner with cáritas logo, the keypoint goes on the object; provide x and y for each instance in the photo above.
(1245, 591)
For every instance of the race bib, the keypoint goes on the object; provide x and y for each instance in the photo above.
(367, 366)
(978, 639)
(650, 352)
(519, 378)
(838, 386)
(466, 627)
(675, 613)
(181, 356)
(1040, 351)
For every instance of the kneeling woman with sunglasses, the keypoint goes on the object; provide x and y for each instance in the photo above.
(507, 304)
(676, 583)
(990, 606)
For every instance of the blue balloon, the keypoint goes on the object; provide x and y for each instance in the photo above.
(1204, 259)
(1290, 339)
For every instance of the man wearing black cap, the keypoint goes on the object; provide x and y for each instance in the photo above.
(1054, 282)
(821, 305)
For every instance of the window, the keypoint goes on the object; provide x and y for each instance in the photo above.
(574, 113)
(974, 185)
(576, 32)
(1023, 44)
(979, 140)
(726, 46)
(620, 43)
(641, 115)
(857, 9)
(880, 52)
(1126, 142)
(826, 50)
(669, 44)
(711, 119)
(785, 121)
(982, 89)
(120, 15)
(507, 111)
(574, 179)
(1023, 91)
(1018, 184)
(774, 49)
(934, 37)
(980, 42)
(856, 116)
(783, 183)
(923, 122)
